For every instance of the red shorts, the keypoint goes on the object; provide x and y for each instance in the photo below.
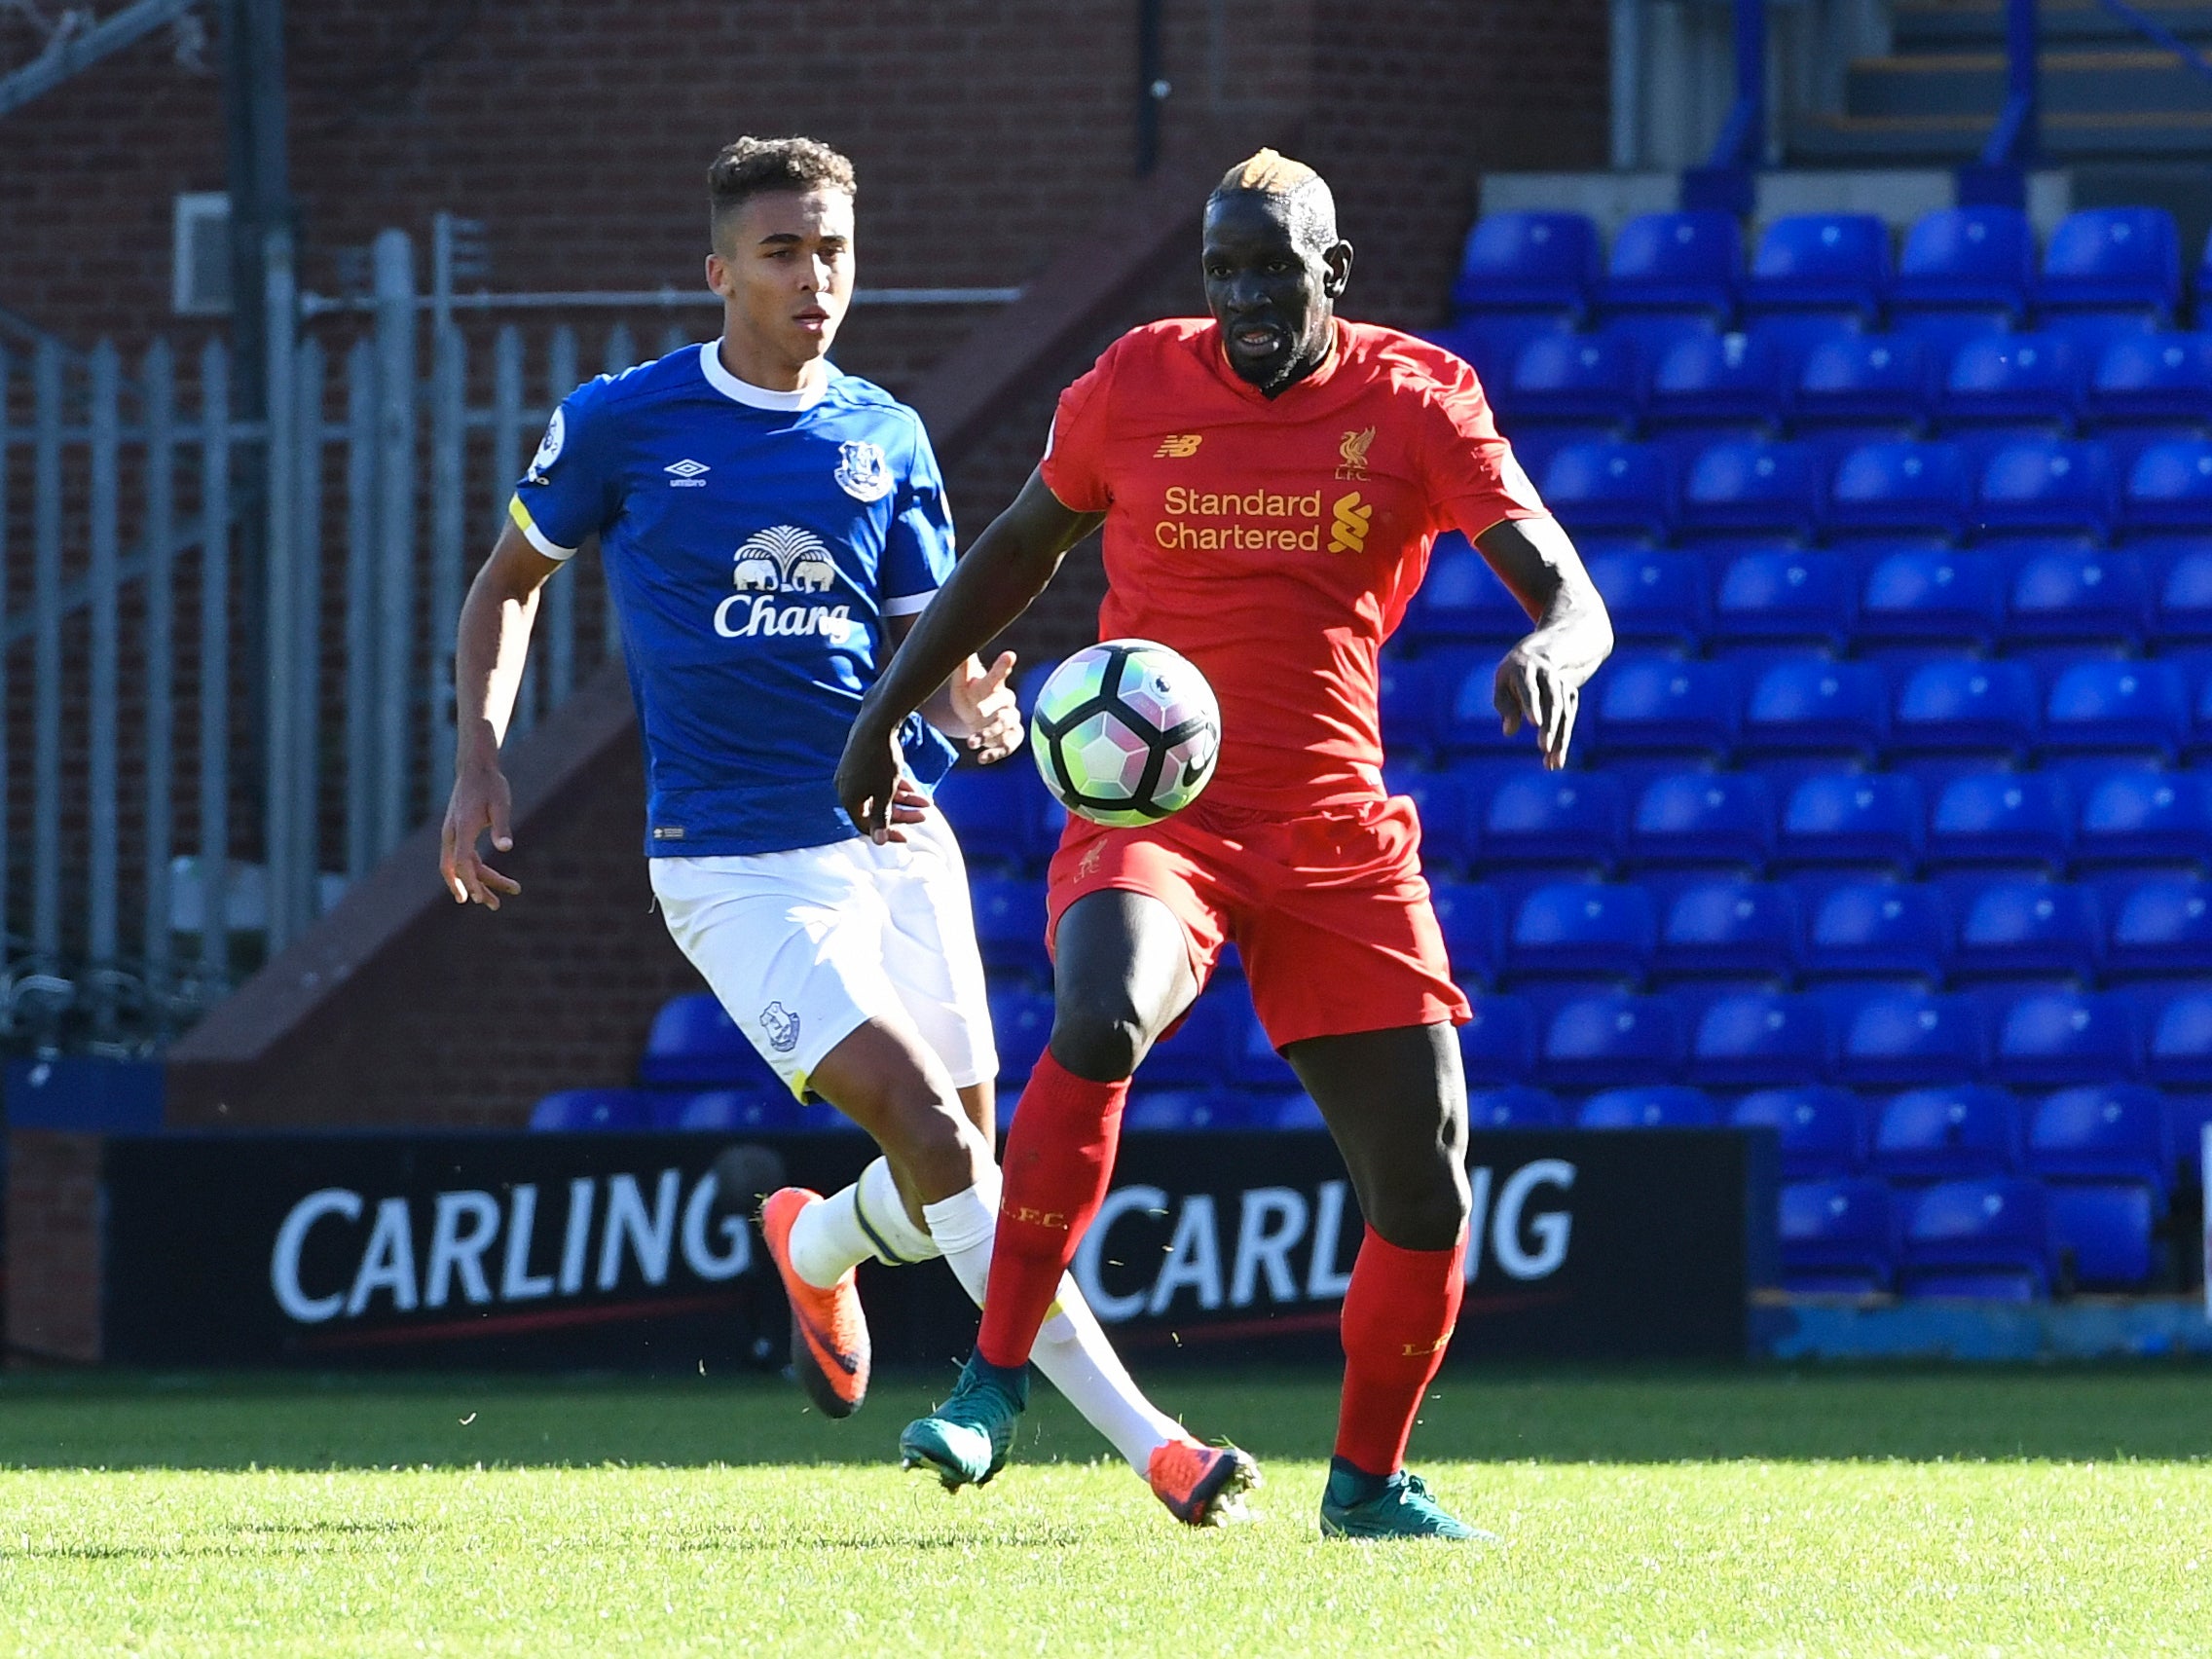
(1330, 911)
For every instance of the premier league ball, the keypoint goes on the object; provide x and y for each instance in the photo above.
(1126, 732)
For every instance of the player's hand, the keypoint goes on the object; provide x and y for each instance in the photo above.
(480, 802)
(908, 805)
(985, 708)
(868, 776)
(1539, 685)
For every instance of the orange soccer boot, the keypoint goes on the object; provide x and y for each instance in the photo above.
(830, 1346)
(1202, 1486)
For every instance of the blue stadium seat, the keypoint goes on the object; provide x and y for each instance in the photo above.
(1254, 1063)
(1204, 1046)
(1870, 820)
(1560, 819)
(2056, 1039)
(2169, 488)
(1877, 930)
(731, 1111)
(2179, 1054)
(1808, 706)
(2139, 818)
(2101, 1232)
(2039, 486)
(2111, 1132)
(2161, 928)
(575, 1110)
(1959, 704)
(2115, 708)
(1966, 261)
(1794, 596)
(1987, 1238)
(1656, 333)
(2018, 382)
(1515, 1106)
(1838, 1237)
(1932, 596)
(1497, 1045)
(1719, 383)
(1411, 705)
(1652, 597)
(1869, 383)
(1822, 1131)
(1745, 487)
(1462, 600)
(1827, 263)
(1581, 378)
(1010, 924)
(1759, 1038)
(998, 813)
(2065, 596)
(1582, 930)
(1611, 488)
(2023, 821)
(1906, 1039)
(1899, 488)
(2150, 380)
(2112, 259)
(1527, 261)
(1610, 1041)
(1468, 915)
(1728, 929)
(1021, 1022)
(1180, 1110)
(2013, 929)
(1946, 1133)
(1700, 819)
(1493, 341)
(1287, 1113)
(1650, 1106)
(2184, 601)
(693, 1042)
(1649, 705)
(1677, 262)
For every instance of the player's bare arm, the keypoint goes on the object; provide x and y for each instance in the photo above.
(488, 652)
(1003, 570)
(975, 707)
(1539, 684)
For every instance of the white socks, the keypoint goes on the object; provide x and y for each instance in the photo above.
(1072, 1351)
(868, 1218)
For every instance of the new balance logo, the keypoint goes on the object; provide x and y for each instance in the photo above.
(1348, 535)
(1179, 445)
(687, 473)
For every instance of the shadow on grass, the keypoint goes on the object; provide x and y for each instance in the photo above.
(123, 1421)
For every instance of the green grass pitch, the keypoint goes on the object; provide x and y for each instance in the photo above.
(1767, 1512)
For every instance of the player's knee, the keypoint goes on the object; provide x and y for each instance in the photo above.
(1100, 1043)
(1427, 1207)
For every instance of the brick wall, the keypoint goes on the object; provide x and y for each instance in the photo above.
(53, 1240)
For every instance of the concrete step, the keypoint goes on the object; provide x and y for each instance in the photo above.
(1948, 25)
(2121, 82)
(1905, 140)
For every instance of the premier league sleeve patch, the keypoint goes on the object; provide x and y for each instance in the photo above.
(549, 449)
(862, 472)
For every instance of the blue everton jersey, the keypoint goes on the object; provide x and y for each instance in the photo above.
(754, 542)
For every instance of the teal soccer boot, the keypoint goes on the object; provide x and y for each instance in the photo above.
(967, 1440)
(1358, 1505)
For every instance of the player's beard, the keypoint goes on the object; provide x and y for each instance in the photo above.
(1302, 360)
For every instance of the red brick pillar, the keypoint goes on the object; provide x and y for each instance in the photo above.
(53, 1246)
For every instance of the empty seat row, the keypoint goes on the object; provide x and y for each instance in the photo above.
(1968, 931)
(1651, 705)
(1931, 492)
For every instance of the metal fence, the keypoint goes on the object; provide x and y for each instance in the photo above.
(227, 642)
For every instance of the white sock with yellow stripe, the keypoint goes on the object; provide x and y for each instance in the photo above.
(1072, 1351)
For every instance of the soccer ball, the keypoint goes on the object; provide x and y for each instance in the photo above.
(1126, 732)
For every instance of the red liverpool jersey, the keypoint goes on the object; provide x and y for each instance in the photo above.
(1277, 542)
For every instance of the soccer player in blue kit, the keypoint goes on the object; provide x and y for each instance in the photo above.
(770, 529)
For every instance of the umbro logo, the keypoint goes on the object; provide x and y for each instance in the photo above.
(687, 473)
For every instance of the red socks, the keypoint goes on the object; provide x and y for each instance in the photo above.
(1059, 1156)
(1398, 1316)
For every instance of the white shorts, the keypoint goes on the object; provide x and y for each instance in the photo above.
(801, 947)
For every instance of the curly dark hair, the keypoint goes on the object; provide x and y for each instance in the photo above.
(754, 166)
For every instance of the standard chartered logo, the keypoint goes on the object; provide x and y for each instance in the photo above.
(1261, 520)
(770, 565)
(1348, 535)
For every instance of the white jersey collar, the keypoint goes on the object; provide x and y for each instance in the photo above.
(758, 396)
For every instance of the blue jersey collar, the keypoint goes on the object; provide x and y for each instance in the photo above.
(758, 397)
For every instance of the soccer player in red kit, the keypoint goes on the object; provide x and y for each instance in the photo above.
(1270, 481)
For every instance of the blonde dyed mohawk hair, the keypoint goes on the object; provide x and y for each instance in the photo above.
(1304, 194)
